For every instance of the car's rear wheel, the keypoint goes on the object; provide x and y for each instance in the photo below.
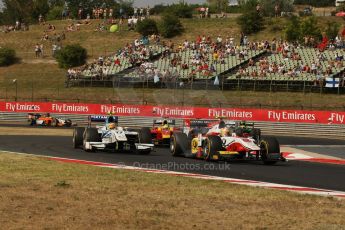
(90, 135)
(270, 150)
(68, 123)
(212, 145)
(78, 137)
(54, 122)
(179, 144)
(256, 134)
(145, 138)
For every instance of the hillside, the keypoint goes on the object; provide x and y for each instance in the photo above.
(40, 78)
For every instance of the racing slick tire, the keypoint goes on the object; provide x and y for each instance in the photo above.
(256, 134)
(270, 150)
(55, 122)
(145, 138)
(179, 144)
(90, 135)
(78, 137)
(68, 123)
(212, 146)
(239, 132)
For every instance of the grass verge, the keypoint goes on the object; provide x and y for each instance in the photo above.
(38, 193)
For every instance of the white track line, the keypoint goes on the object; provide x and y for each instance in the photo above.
(298, 189)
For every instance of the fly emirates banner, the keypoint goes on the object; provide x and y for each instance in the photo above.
(295, 116)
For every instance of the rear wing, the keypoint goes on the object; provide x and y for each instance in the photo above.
(248, 124)
(194, 123)
(160, 121)
(101, 118)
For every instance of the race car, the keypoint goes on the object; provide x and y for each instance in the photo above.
(47, 120)
(225, 140)
(111, 137)
(162, 130)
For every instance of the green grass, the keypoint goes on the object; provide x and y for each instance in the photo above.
(39, 79)
(38, 193)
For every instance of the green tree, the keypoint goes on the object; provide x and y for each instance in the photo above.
(71, 56)
(309, 27)
(293, 29)
(316, 3)
(181, 10)
(332, 29)
(39, 7)
(268, 6)
(147, 27)
(16, 10)
(251, 22)
(170, 26)
(55, 13)
(218, 5)
(7, 56)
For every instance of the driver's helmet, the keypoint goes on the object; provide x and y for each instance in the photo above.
(111, 126)
(221, 124)
(243, 124)
(165, 124)
(225, 132)
(111, 119)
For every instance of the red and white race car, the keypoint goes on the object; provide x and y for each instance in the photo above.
(162, 130)
(224, 140)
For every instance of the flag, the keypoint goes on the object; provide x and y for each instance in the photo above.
(216, 81)
(332, 82)
(155, 79)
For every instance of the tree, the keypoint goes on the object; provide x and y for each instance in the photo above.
(268, 6)
(170, 26)
(316, 3)
(332, 29)
(7, 56)
(218, 5)
(293, 30)
(251, 22)
(71, 56)
(309, 27)
(16, 10)
(181, 10)
(147, 27)
(55, 13)
(40, 7)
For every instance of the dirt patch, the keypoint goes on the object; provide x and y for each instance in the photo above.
(39, 61)
(38, 192)
(37, 131)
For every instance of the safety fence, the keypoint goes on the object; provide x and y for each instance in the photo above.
(270, 128)
(259, 84)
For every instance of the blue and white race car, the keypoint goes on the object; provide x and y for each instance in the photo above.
(111, 137)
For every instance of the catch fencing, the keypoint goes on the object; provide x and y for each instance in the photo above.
(270, 128)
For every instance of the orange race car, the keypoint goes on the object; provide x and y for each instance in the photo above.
(47, 120)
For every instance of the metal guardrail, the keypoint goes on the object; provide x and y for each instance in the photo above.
(279, 128)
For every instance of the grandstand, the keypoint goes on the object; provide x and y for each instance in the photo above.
(104, 69)
(192, 70)
(235, 65)
(310, 57)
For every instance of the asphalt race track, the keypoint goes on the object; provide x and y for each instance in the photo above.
(325, 176)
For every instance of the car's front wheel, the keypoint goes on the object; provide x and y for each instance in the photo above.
(270, 150)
